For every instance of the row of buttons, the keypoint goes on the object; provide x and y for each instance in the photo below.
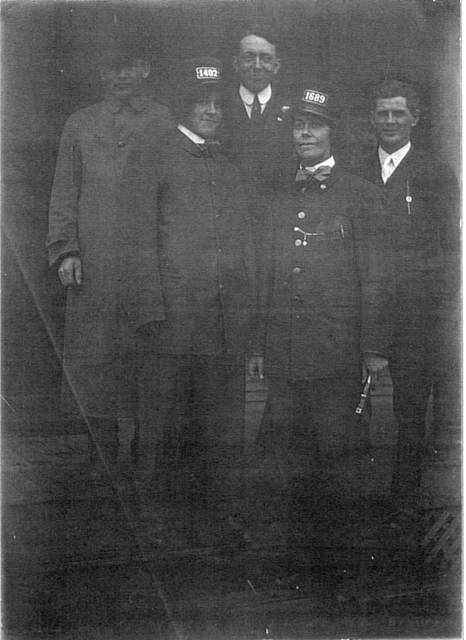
(297, 270)
(299, 242)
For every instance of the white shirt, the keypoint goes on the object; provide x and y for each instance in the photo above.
(192, 136)
(248, 98)
(330, 162)
(397, 156)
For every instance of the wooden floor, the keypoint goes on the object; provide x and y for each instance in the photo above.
(78, 564)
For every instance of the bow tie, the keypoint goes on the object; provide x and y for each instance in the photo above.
(320, 174)
(206, 147)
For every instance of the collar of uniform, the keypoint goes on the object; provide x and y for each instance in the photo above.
(330, 162)
(397, 156)
(248, 96)
(139, 103)
(191, 135)
(186, 142)
(336, 173)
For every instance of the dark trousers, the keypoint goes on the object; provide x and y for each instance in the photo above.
(314, 431)
(412, 376)
(192, 423)
(413, 361)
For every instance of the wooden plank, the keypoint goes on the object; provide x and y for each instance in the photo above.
(436, 527)
(453, 529)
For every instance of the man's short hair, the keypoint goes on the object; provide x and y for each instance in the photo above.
(397, 88)
(259, 30)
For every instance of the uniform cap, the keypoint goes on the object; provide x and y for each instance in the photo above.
(320, 98)
(191, 80)
(198, 72)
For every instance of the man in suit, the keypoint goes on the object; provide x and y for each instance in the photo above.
(192, 432)
(422, 205)
(103, 255)
(256, 131)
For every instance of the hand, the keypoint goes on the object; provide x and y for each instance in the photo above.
(256, 367)
(70, 271)
(373, 365)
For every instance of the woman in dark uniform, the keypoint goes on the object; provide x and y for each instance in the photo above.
(325, 328)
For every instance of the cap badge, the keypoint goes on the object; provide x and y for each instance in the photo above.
(315, 97)
(211, 73)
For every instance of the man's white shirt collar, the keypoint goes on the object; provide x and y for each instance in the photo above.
(248, 97)
(397, 156)
(191, 135)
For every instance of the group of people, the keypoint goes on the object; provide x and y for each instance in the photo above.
(225, 227)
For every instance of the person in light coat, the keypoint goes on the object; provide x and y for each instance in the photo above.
(104, 258)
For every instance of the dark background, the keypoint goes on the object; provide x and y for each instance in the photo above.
(49, 71)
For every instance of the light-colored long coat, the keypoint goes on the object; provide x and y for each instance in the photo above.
(118, 252)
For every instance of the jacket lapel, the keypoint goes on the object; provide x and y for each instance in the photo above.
(273, 109)
(271, 112)
(186, 144)
(401, 174)
(238, 112)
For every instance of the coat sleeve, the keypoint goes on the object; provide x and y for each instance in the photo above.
(62, 235)
(375, 258)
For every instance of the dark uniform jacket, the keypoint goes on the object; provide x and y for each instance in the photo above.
(423, 209)
(86, 217)
(205, 254)
(328, 294)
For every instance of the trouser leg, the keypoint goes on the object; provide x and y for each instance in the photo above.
(212, 442)
(412, 382)
(163, 396)
(413, 356)
(211, 449)
(324, 486)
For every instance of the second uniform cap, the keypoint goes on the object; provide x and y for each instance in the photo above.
(320, 98)
(200, 71)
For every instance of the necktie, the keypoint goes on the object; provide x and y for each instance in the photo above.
(320, 174)
(387, 169)
(256, 111)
